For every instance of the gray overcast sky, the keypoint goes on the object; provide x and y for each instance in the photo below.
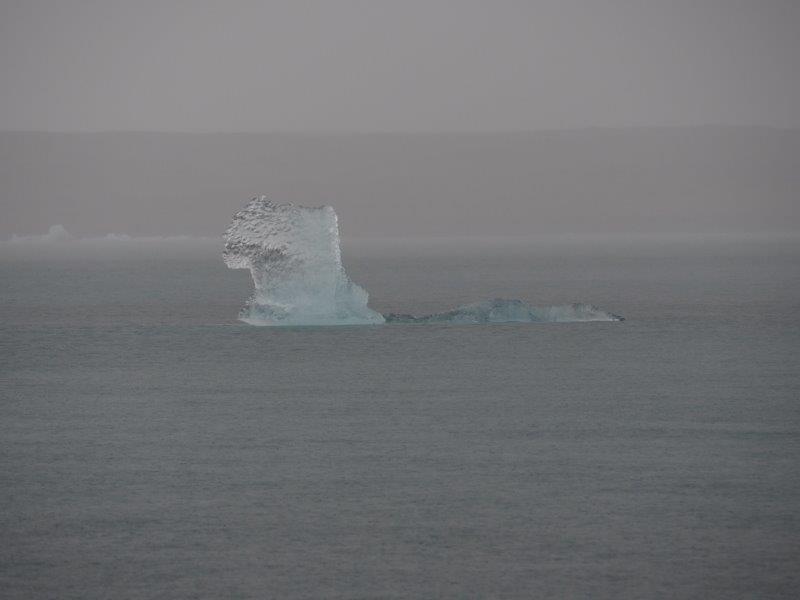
(431, 65)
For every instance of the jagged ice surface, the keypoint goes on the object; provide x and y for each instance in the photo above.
(293, 255)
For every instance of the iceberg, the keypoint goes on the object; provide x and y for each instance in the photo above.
(57, 234)
(500, 310)
(295, 261)
(294, 258)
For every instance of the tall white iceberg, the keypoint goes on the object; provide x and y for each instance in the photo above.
(294, 258)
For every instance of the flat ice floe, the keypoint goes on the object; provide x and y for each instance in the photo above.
(501, 310)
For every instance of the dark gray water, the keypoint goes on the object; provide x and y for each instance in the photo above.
(151, 446)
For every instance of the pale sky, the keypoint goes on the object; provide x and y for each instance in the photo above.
(405, 65)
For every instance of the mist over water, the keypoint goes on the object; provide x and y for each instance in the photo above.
(626, 181)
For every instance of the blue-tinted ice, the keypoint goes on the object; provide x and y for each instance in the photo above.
(293, 255)
(501, 310)
(294, 258)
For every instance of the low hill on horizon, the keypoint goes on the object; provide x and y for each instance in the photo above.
(715, 179)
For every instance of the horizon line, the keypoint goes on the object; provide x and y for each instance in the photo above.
(397, 132)
(551, 236)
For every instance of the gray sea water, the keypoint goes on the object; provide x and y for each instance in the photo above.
(151, 446)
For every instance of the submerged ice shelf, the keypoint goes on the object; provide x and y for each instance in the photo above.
(501, 310)
(295, 261)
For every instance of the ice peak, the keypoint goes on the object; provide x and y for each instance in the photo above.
(293, 255)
